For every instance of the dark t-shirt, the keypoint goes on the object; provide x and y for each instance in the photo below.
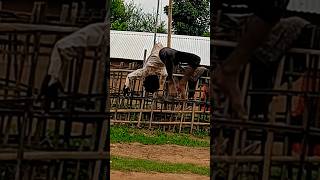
(171, 56)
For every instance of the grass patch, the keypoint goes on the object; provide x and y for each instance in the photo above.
(141, 165)
(124, 134)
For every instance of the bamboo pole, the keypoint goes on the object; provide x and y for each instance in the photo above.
(182, 115)
(169, 24)
(259, 158)
(156, 25)
(152, 110)
(193, 111)
(61, 155)
(64, 14)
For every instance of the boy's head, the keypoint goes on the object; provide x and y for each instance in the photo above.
(151, 83)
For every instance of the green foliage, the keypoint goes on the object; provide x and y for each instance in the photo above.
(124, 134)
(190, 17)
(130, 17)
(141, 165)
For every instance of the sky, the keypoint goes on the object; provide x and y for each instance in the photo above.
(150, 6)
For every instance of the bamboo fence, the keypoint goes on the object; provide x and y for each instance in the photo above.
(68, 140)
(146, 110)
(255, 149)
(71, 14)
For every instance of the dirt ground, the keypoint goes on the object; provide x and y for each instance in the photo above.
(117, 175)
(165, 153)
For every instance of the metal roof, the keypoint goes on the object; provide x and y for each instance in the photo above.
(131, 45)
(309, 6)
(306, 6)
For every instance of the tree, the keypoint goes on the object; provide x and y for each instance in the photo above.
(118, 15)
(190, 17)
(130, 17)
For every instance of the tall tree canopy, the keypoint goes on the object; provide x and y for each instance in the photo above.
(190, 17)
(130, 17)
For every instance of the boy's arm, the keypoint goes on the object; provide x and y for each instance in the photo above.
(139, 73)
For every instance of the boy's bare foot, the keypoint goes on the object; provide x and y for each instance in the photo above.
(172, 91)
(228, 83)
(182, 88)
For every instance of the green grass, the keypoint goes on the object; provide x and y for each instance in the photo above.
(140, 165)
(124, 134)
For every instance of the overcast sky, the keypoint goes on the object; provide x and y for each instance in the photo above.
(151, 6)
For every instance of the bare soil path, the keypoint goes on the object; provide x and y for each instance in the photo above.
(164, 153)
(117, 175)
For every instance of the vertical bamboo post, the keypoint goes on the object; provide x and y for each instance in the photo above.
(152, 108)
(184, 103)
(156, 25)
(64, 13)
(144, 93)
(193, 110)
(38, 12)
(83, 9)
(169, 24)
(0, 8)
(244, 91)
(234, 153)
(74, 12)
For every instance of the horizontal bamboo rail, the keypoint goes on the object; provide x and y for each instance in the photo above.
(162, 123)
(257, 159)
(155, 111)
(62, 155)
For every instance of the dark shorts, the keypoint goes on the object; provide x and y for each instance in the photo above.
(190, 59)
(268, 10)
(171, 58)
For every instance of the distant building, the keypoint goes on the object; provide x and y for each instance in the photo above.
(127, 46)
